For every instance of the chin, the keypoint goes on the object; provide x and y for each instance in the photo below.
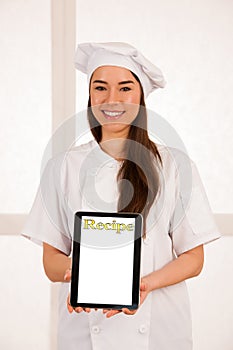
(116, 128)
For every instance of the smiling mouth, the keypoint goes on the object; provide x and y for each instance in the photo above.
(112, 114)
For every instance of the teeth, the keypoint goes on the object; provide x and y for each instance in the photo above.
(112, 114)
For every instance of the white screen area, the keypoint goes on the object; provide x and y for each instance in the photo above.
(106, 260)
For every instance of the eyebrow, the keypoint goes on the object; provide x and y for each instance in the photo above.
(126, 82)
(120, 83)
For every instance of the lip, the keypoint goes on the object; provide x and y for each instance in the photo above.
(112, 115)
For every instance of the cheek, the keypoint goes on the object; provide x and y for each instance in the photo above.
(94, 100)
(133, 110)
(135, 98)
(96, 112)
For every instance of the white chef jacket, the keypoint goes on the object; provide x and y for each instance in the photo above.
(84, 178)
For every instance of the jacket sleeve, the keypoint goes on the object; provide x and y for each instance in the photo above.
(192, 223)
(47, 221)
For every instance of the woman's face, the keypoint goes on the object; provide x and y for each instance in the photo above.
(115, 100)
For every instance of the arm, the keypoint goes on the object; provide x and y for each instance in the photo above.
(55, 262)
(187, 265)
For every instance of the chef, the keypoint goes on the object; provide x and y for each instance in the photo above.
(165, 188)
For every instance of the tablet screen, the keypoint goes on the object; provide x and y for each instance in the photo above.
(106, 260)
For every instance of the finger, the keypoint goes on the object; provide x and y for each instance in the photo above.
(143, 287)
(112, 313)
(129, 312)
(78, 309)
(67, 276)
(69, 307)
(87, 309)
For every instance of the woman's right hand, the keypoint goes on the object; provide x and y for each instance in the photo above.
(67, 278)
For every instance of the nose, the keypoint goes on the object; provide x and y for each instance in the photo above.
(112, 96)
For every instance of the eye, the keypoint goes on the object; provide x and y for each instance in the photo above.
(100, 88)
(126, 88)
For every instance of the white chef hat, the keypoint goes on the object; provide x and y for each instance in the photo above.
(90, 56)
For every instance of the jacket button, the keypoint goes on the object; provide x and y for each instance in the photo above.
(95, 329)
(142, 329)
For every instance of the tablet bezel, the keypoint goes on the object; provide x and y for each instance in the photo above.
(136, 259)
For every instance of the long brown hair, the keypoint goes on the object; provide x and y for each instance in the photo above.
(140, 164)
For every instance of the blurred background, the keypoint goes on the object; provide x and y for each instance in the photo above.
(191, 41)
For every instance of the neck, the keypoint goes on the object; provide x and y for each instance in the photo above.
(114, 147)
(114, 143)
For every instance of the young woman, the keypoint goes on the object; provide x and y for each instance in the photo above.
(127, 172)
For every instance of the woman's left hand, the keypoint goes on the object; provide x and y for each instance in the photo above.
(144, 291)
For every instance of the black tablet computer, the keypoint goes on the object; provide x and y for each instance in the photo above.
(106, 260)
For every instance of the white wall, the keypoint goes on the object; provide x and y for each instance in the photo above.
(25, 112)
(191, 41)
(211, 298)
(25, 296)
(25, 90)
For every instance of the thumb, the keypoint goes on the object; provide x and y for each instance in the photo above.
(143, 287)
(67, 276)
